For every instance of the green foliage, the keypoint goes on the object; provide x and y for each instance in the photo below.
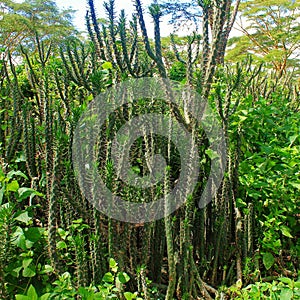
(112, 287)
(32, 295)
(271, 33)
(20, 21)
(177, 71)
(283, 289)
(268, 176)
(22, 242)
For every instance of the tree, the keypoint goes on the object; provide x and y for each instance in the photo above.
(23, 21)
(271, 33)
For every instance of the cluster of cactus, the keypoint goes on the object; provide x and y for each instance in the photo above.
(42, 123)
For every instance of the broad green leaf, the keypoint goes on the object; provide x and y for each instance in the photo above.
(61, 245)
(25, 192)
(295, 184)
(129, 296)
(277, 243)
(123, 277)
(31, 293)
(16, 173)
(18, 238)
(108, 277)
(12, 186)
(28, 243)
(292, 139)
(22, 297)
(63, 234)
(285, 231)
(85, 294)
(45, 296)
(48, 269)
(286, 294)
(33, 234)
(211, 154)
(113, 265)
(28, 272)
(243, 118)
(26, 262)
(66, 276)
(23, 217)
(286, 280)
(268, 260)
(254, 289)
(16, 271)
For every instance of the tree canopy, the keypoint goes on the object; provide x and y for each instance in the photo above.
(271, 33)
(23, 21)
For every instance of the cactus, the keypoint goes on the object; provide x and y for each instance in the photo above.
(76, 65)
(190, 61)
(156, 15)
(29, 143)
(6, 213)
(96, 38)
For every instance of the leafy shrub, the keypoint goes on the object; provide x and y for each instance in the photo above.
(270, 179)
(281, 289)
(112, 287)
(177, 71)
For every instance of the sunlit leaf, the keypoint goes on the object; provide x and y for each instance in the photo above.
(268, 260)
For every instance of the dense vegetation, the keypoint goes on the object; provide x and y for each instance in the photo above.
(244, 244)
